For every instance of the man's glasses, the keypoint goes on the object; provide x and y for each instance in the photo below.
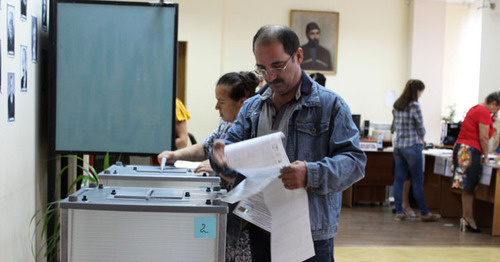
(273, 70)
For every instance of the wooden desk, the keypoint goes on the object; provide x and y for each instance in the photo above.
(379, 173)
(495, 229)
(439, 195)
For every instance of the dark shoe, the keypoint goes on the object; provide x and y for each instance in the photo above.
(465, 226)
(430, 217)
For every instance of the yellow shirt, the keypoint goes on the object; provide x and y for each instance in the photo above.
(181, 113)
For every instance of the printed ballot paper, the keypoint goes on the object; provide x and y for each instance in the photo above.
(265, 202)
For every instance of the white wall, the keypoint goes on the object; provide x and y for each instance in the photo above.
(461, 59)
(427, 56)
(372, 54)
(200, 24)
(18, 139)
(490, 52)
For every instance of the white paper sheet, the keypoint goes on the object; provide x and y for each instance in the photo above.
(486, 176)
(438, 152)
(265, 202)
(390, 97)
(447, 170)
(439, 165)
(186, 164)
(259, 159)
(254, 210)
(291, 238)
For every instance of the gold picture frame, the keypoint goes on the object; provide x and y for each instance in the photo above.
(319, 56)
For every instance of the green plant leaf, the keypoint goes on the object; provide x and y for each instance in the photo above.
(106, 161)
(78, 179)
(61, 173)
(91, 168)
(43, 216)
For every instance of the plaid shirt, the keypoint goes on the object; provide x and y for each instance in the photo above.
(408, 126)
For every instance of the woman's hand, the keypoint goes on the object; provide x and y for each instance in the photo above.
(204, 167)
(169, 155)
(218, 153)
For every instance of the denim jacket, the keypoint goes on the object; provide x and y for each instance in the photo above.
(321, 133)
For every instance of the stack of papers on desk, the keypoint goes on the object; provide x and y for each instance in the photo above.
(187, 164)
(439, 152)
(486, 176)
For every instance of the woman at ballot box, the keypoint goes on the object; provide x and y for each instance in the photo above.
(231, 91)
(470, 151)
(409, 132)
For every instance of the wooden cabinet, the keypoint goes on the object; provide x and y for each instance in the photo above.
(379, 173)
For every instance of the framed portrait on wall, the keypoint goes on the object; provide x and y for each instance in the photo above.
(318, 33)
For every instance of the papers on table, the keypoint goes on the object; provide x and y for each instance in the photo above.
(186, 164)
(438, 152)
(486, 176)
(443, 164)
(265, 202)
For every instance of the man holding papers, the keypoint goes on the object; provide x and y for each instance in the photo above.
(321, 140)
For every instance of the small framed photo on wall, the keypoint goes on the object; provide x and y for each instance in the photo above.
(11, 100)
(24, 8)
(11, 42)
(34, 38)
(318, 33)
(24, 68)
(44, 15)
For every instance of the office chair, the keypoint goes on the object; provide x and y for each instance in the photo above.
(191, 138)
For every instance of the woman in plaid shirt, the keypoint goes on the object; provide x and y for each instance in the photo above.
(409, 132)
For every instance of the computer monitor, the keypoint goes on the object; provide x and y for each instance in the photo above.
(452, 131)
(357, 121)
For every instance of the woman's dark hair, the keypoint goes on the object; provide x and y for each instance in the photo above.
(242, 84)
(410, 94)
(495, 96)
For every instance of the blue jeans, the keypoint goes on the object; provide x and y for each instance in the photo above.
(323, 250)
(409, 160)
(260, 244)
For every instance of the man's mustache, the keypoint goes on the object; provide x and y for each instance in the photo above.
(276, 81)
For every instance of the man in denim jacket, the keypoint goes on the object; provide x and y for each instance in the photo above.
(322, 141)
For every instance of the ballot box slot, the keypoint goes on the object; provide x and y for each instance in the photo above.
(149, 193)
(156, 169)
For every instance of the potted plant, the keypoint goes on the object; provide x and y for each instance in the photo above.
(48, 214)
